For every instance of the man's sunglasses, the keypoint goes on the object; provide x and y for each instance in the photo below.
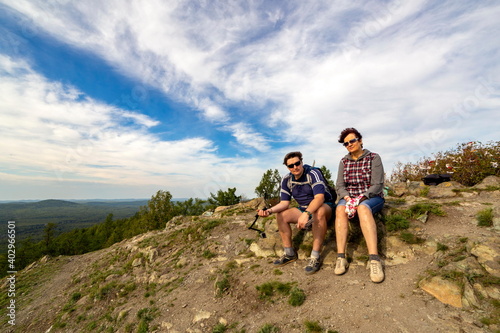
(347, 143)
(290, 166)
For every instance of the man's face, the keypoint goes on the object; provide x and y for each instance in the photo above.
(295, 166)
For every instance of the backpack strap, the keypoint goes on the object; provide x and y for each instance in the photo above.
(309, 181)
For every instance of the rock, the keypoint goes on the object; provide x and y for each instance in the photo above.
(167, 325)
(221, 208)
(443, 190)
(399, 189)
(469, 299)
(398, 252)
(150, 253)
(137, 262)
(469, 265)
(490, 181)
(493, 292)
(262, 251)
(201, 315)
(123, 314)
(496, 218)
(182, 262)
(257, 203)
(446, 291)
(488, 255)
(423, 218)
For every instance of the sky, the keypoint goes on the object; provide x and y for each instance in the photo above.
(120, 99)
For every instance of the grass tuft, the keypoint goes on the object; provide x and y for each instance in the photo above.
(485, 217)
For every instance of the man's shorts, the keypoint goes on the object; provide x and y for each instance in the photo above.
(331, 204)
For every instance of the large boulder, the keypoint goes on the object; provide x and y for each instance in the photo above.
(488, 255)
(446, 291)
(488, 182)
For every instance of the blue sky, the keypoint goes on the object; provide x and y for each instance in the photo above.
(120, 99)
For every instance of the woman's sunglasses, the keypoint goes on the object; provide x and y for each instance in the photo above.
(347, 143)
(290, 166)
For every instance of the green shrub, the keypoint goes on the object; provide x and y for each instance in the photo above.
(312, 327)
(145, 316)
(219, 328)
(396, 222)
(424, 192)
(441, 247)
(210, 224)
(222, 286)
(268, 289)
(485, 217)
(421, 208)
(268, 328)
(410, 238)
(208, 254)
(297, 297)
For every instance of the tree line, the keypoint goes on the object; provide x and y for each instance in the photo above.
(158, 211)
(154, 215)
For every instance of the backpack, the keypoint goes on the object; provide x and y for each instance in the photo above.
(291, 183)
(435, 179)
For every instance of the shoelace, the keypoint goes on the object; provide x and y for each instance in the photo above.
(312, 262)
(338, 264)
(374, 267)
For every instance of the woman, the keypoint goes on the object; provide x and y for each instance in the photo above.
(360, 183)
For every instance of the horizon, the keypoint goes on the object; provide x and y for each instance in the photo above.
(118, 100)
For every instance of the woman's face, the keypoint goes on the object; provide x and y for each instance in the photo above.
(353, 144)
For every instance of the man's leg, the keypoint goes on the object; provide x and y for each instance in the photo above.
(321, 218)
(284, 219)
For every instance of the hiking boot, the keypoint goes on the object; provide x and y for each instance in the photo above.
(341, 266)
(376, 271)
(313, 265)
(285, 260)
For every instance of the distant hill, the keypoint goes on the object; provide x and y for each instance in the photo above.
(31, 217)
(51, 203)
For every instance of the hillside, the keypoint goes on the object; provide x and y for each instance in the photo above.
(209, 274)
(31, 217)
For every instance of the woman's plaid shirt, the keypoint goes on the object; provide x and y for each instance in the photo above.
(358, 174)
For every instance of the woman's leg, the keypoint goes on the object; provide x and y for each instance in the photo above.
(341, 227)
(367, 222)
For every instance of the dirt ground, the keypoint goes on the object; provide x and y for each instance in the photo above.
(180, 289)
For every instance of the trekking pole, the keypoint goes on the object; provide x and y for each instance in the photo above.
(261, 232)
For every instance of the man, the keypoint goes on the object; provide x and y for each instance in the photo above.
(308, 187)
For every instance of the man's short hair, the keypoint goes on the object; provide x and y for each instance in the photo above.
(292, 155)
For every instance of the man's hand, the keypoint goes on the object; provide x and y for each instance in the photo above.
(263, 212)
(302, 221)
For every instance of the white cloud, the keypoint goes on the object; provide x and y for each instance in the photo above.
(61, 136)
(245, 136)
(414, 77)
